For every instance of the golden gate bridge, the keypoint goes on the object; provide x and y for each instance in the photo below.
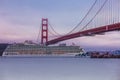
(103, 16)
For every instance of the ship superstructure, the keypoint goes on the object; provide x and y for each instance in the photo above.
(35, 49)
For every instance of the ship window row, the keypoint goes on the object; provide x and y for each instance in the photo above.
(42, 49)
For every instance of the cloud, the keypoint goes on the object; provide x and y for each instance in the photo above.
(16, 32)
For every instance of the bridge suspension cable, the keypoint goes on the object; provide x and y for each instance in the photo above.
(84, 17)
(52, 34)
(95, 15)
(38, 34)
(56, 33)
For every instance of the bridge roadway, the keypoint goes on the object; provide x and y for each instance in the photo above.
(89, 32)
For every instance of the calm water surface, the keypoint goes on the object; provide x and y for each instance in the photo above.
(41, 68)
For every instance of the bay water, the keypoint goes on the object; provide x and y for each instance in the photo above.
(58, 68)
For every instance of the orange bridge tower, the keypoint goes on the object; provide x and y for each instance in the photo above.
(44, 32)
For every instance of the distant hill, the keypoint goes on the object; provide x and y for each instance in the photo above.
(3, 47)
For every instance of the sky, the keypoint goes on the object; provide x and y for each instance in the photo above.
(20, 20)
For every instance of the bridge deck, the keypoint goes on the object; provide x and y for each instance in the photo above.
(93, 31)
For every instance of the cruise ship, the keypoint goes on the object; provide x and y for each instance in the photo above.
(42, 50)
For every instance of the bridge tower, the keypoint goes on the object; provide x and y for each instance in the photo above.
(44, 32)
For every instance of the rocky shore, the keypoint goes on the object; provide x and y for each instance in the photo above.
(104, 55)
